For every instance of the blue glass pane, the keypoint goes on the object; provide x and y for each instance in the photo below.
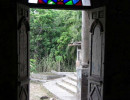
(45, 1)
(66, 1)
(54, 0)
(75, 1)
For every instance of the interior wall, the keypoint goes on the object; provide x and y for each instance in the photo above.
(117, 53)
(8, 50)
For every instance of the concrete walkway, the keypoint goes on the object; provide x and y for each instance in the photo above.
(63, 88)
(60, 93)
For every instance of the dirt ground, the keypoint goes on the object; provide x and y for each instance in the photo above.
(38, 92)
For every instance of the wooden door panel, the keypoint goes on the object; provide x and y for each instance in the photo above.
(95, 78)
(23, 52)
(23, 93)
(96, 52)
(95, 92)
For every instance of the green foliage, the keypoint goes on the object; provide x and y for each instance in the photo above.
(33, 65)
(51, 32)
(47, 64)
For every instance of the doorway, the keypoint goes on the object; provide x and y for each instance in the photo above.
(52, 61)
(23, 12)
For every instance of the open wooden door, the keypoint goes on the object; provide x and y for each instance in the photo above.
(96, 68)
(23, 51)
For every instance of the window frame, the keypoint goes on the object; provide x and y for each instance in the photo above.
(65, 7)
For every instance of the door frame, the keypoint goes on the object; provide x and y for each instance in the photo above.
(50, 7)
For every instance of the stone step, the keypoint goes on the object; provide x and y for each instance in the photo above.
(67, 87)
(72, 77)
(70, 82)
(75, 74)
(58, 92)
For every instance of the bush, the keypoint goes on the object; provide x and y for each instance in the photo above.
(33, 65)
(46, 64)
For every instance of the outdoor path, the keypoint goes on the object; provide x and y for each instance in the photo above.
(36, 91)
(59, 92)
(58, 87)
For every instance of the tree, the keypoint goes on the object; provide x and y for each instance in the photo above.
(51, 32)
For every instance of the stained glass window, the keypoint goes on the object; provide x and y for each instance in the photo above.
(63, 2)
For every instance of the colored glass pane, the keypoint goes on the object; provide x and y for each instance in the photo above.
(79, 3)
(63, 2)
(54, 1)
(41, 2)
(45, 1)
(75, 1)
(86, 3)
(51, 2)
(60, 2)
(69, 3)
(33, 1)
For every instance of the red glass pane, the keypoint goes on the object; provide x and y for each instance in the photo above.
(40, 2)
(79, 3)
(60, 3)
